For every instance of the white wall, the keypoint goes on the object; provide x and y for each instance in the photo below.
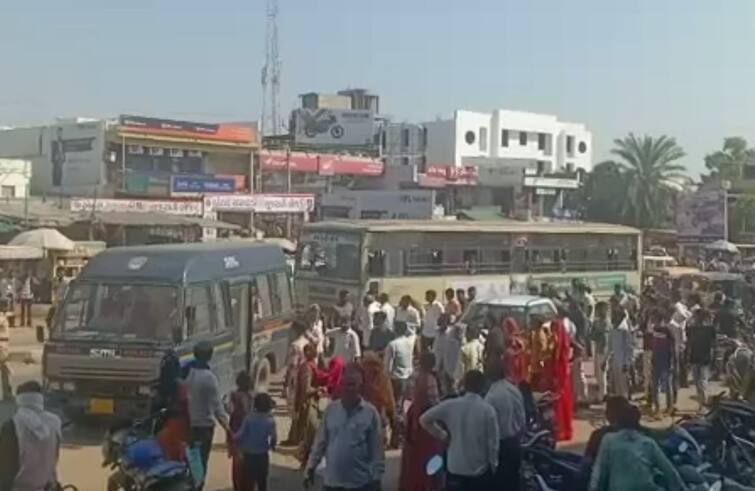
(15, 173)
(477, 124)
(440, 141)
(581, 136)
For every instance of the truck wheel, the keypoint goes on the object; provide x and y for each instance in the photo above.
(262, 376)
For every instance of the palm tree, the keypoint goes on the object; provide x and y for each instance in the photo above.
(603, 191)
(731, 161)
(650, 169)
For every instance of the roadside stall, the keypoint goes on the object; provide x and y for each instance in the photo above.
(52, 243)
(14, 261)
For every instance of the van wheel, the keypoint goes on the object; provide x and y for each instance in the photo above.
(262, 377)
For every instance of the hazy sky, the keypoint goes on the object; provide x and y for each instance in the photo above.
(681, 67)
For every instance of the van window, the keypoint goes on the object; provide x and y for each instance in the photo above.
(545, 310)
(239, 298)
(284, 289)
(198, 310)
(261, 297)
(276, 298)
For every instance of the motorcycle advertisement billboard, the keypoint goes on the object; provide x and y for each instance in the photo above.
(701, 217)
(334, 127)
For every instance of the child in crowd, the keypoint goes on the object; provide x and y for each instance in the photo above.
(255, 439)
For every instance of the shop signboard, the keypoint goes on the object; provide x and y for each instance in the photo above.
(335, 127)
(235, 133)
(324, 164)
(261, 203)
(172, 207)
(440, 175)
(201, 184)
(409, 204)
(701, 217)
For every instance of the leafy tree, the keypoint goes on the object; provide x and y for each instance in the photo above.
(650, 168)
(744, 213)
(730, 162)
(603, 192)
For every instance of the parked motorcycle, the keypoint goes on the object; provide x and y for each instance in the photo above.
(138, 463)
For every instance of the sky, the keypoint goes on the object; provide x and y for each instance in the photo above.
(685, 68)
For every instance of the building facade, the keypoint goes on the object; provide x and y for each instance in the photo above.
(554, 145)
(403, 144)
(14, 178)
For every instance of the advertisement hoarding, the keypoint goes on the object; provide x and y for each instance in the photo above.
(72, 159)
(324, 164)
(701, 217)
(235, 133)
(334, 127)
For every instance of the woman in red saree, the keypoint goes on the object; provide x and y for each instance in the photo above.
(419, 445)
(240, 403)
(514, 356)
(561, 377)
(335, 373)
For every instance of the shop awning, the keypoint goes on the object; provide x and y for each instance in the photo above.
(20, 253)
(150, 219)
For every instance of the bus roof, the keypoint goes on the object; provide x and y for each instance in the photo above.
(513, 226)
(182, 263)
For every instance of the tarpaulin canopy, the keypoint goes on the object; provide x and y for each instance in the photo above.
(20, 253)
(44, 238)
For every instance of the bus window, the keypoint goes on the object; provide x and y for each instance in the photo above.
(276, 301)
(223, 314)
(198, 311)
(239, 299)
(376, 263)
(470, 258)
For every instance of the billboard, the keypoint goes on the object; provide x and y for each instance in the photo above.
(324, 164)
(72, 159)
(334, 127)
(261, 203)
(701, 217)
(170, 207)
(236, 133)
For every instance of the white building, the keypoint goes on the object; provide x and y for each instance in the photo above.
(14, 177)
(554, 145)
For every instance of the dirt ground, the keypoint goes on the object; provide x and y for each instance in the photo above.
(80, 460)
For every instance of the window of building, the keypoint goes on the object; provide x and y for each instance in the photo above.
(405, 137)
(7, 192)
(582, 147)
(504, 138)
(383, 143)
(199, 319)
(404, 160)
(541, 141)
(540, 167)
(424, 138)
(523, 138)
(483, 139)
(569, 144)
(569, 167)
(469, 137)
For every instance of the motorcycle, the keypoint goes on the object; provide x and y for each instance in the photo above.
(137, 461)
(320, 122)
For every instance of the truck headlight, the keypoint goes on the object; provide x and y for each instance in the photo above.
(53, 385)
(69, 386)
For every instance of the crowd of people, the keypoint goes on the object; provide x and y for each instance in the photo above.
(411, 376)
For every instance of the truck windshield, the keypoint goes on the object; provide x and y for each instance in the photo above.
(143, 312)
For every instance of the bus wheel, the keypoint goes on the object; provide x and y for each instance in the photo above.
(262, 377)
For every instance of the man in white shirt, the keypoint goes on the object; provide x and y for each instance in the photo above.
(433, 310)
(346, 344)
(508, 403)
(399, 363)
(407, 314)
(366, 314)
(390, 312)
(469, 427)
(344, 308)
(315, 332)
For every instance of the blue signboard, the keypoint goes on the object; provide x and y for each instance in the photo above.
(202, 184)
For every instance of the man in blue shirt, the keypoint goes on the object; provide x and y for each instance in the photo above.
(350, 438)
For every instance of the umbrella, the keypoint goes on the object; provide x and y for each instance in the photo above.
(722, 246)
(44, 238)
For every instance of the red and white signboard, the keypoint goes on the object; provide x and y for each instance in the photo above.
(260, 203)
(324, 164)
(441, 175)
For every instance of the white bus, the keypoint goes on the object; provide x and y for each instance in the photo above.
(401, 257)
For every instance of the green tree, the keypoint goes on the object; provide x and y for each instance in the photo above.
(651, 170)
(730, 162)
(744, 213)
(603, 192)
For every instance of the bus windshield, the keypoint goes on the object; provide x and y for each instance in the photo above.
(330, 255)
(143, 312)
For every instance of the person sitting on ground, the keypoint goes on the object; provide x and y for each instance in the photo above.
(29, 443)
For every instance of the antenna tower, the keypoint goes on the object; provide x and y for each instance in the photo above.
(271, 71)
